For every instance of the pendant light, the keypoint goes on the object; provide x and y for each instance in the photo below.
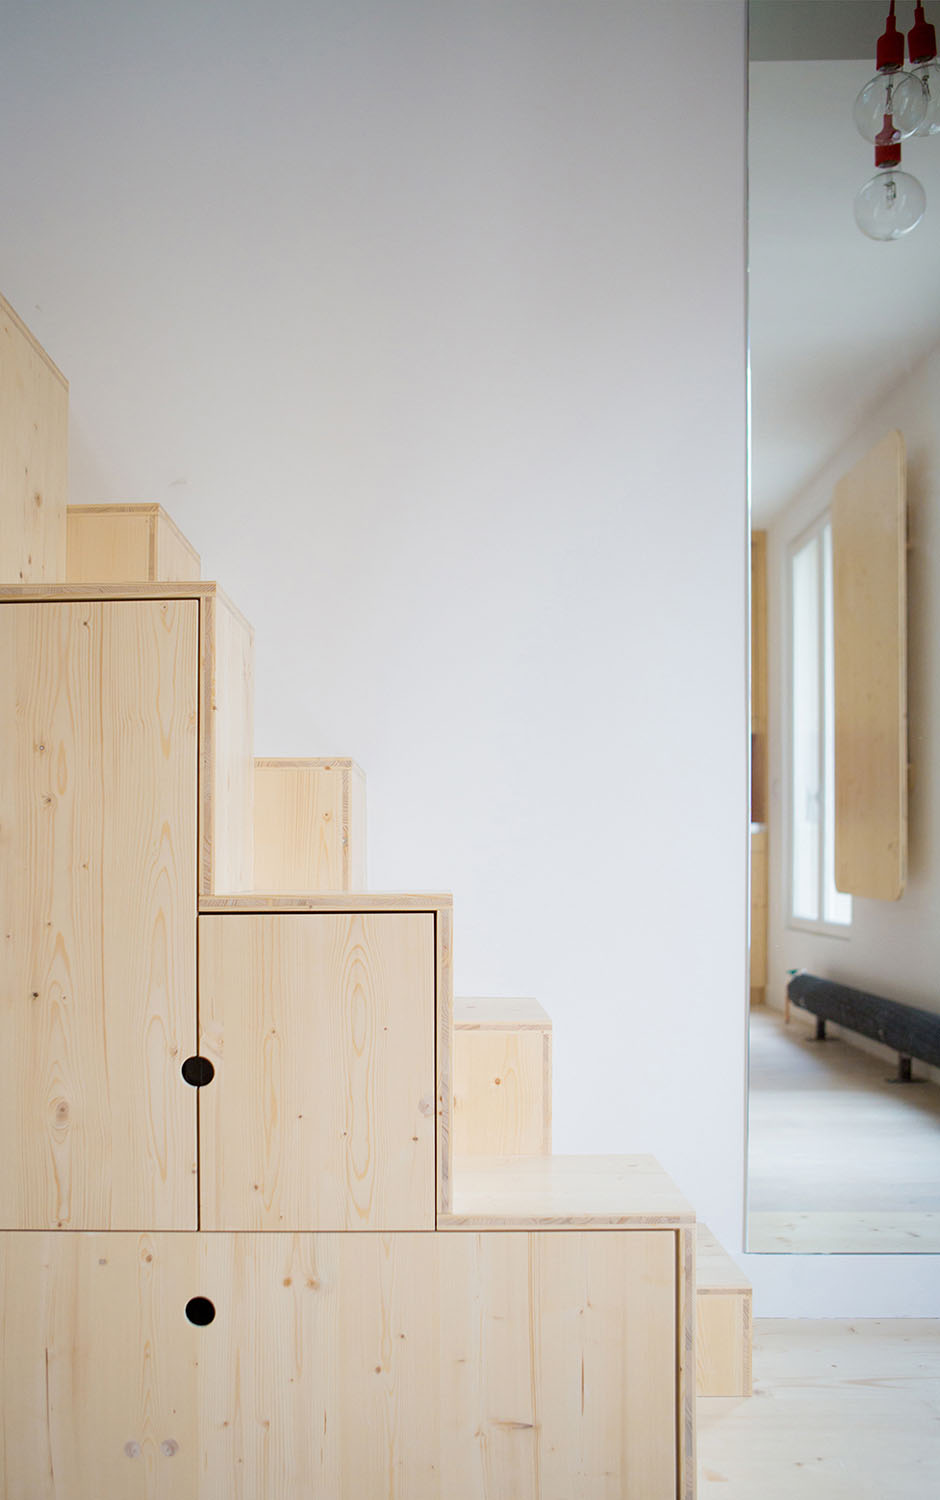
(891, 203)
(922, 50)
(892, 94)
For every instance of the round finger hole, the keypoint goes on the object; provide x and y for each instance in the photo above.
(199, 1310)
(198, 1071)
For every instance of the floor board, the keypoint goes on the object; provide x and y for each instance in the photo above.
(840, 1411)
(839, 1159)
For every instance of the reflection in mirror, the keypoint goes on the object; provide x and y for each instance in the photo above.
(844, 1086)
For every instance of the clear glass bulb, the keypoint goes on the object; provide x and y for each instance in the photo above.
(929, 75)
(901, 95)
(890, 204)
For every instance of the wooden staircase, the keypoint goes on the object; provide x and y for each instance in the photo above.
(238, 1253)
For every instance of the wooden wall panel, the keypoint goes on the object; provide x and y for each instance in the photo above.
(321, 1114)
(227, 737)
(97, 887)
(34, 420)
(127, 544)
(869, 559)
(310, 832)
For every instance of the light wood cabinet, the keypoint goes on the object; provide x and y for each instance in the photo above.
(510, 1366)
(321, 1114)
(98, 787)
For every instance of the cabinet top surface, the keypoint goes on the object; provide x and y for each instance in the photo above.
(259, 904)
(64, 593)
(574, 1192)
(83, 593)
(512, 1013)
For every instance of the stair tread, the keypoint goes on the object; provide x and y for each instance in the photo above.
(715, 1271)
(510, 1013)
(197, 588)
(565, 1192)
(336, 901)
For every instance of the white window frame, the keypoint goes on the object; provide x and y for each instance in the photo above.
(819, 925)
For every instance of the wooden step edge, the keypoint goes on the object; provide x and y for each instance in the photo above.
(564, 1192)
(505, 1013)
(724, 1322)
(261, 903)
(716, 1271)
(128, 541)
(310, 763)
(10, 313)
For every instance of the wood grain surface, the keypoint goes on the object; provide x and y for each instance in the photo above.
(227, 698)
(502, 1091)
(321, 1114)
(97, 888)
(34, 430)
(127, 543)
(340, 1367)
(532, 1192)
(310, 832)
(869, 563)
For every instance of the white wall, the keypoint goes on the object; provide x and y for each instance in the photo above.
(891, 948)
(425, 320)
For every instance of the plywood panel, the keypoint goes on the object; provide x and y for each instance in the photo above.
(502, 1091)
(321, 1114)
(97, 887)
(227, 739)
(127, 543)
(444, 1038)
(723, 1320)
(522, 1192)
(339, 1367)
(309, 826)
(869, 553)
(431, 1367)
(723, 1344)
(34, 415)
(98, 1376)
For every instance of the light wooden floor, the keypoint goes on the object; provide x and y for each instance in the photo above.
(840, 1411)
(839, 1159)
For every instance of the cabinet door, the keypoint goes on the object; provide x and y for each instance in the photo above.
(98, 1376)
(321, 1114)
(498, 1366)
(98, 772)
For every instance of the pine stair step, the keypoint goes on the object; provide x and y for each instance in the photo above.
(502, 1077)
(560, 1192)
(724, 1334)
(34, 447)
(310, 825)
(132, 543)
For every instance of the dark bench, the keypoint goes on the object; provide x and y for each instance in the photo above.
(908, 1031)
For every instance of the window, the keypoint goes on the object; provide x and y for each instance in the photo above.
(813, 895)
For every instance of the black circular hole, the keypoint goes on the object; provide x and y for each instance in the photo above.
(199, 1310)
(198, 1071)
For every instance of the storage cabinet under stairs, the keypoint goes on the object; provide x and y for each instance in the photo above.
(238, 1256)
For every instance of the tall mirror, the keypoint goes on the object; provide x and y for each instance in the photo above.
(844, 1085)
